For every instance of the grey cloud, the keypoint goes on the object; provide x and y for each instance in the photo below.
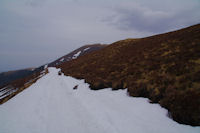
(136, 17)
(35, 3)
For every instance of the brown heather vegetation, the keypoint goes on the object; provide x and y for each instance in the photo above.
(165, 68)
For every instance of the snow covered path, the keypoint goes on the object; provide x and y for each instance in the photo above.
(52, 106)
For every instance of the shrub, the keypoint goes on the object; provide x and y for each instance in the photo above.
(183, 105)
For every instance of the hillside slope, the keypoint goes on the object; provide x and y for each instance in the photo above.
(165, 68)
(77, 53)
(6, 77)
(51, 105)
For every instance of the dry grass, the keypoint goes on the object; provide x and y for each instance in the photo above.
(149, 67)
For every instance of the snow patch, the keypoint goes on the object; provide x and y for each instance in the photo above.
(86, 49)
(76, 55)
(45, 66)
(61, 60)
(51, 105)
(6, 91)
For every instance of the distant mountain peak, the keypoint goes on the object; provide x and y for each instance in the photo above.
(12, 80)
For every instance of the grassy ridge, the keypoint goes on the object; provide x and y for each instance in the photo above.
(165, 68)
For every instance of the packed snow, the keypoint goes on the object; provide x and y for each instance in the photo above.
(51, 105)
(76, 55)
(86, 49)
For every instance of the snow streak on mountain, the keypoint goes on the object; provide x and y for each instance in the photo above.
(54, 105)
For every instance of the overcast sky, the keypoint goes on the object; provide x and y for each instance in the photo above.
(35, 32)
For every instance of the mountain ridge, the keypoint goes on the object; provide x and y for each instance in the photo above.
(17, 81)
(164, 68)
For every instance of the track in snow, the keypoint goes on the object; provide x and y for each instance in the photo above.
(51, 105)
